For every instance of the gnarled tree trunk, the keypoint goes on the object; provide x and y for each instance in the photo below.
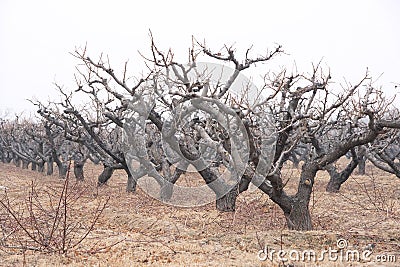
(105, 175)
(228, 201)
(224, 201)
(297, 212)
(299, 218)
(338, 178)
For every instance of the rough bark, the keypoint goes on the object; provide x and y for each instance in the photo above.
(299, 217)
(228, 201)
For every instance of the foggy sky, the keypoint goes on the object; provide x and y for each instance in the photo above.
(36, 37)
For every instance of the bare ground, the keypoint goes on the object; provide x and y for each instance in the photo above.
(137, 230)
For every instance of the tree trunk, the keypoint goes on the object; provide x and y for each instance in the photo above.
(362, 158)
(78, 170)
(361, 166)
(334, 183)
(17, 162)
(131, 184)
(40, 166)
(298, 217)
(50, 167)
(105, 175)
(62, 170)
(228, 202)
(25, 164)
(33, 166)
(338, 178)
(224, 201)
(296, 164)
(134, 176)
(168, 186)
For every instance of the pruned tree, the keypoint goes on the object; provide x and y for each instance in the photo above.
(180, 115)
(201, 125)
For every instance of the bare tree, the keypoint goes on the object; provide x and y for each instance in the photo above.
(173, 118)
(306, 108)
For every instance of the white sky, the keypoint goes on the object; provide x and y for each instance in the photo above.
(36, 36)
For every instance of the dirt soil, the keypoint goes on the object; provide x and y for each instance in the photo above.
(137, 230)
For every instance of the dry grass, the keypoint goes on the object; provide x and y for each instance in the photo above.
(136, 230)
